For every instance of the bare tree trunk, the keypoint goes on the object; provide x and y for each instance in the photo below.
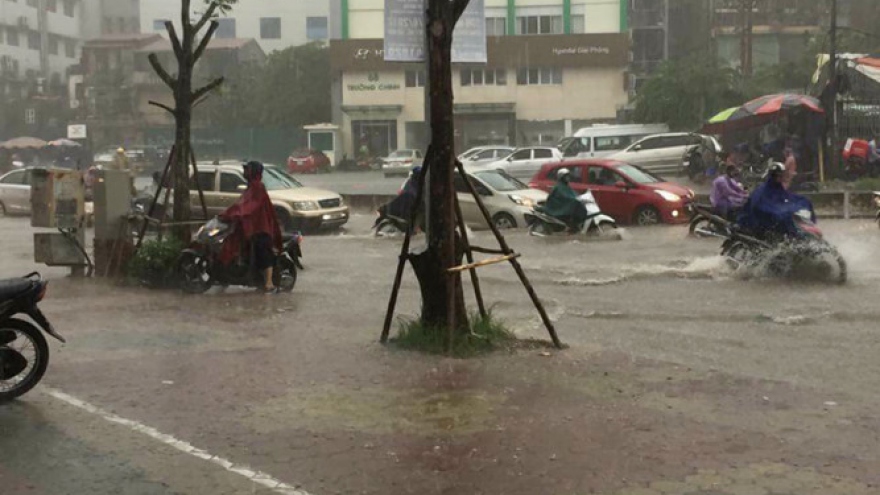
(182, 143)
(441, 304)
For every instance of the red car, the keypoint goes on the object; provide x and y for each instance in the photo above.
(626, 192)
(308, 161)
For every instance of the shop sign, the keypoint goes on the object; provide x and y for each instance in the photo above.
(373, 84)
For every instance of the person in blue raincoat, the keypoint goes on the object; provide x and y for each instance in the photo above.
(770, 211)
(563, 202)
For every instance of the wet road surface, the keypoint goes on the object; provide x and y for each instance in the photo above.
(681, 377)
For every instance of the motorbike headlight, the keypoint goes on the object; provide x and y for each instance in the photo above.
(305, 205)
(213, 232)
(522, 201)
(668, 196)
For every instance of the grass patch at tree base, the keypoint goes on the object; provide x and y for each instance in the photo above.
(485, 335)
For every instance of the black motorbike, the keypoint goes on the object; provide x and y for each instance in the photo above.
(200, 268)
(24, 353)
(809, 256)
(705, 223)
(392, 218)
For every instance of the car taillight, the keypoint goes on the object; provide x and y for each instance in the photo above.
(533, 185)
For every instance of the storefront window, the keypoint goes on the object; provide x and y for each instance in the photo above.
(374, 138)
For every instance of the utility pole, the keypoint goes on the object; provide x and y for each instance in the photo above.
(833, 86)
(746, 26)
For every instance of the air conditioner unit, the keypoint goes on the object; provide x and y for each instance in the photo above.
(23, 22)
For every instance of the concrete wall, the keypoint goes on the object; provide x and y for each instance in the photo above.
(247, 15)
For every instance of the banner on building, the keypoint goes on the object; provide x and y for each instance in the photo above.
(405, 32)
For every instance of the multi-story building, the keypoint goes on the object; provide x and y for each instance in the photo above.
(39, 42)
(275, 25)
(103, 17)
(552, 66)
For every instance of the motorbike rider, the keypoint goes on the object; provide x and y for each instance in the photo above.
(769, 212)
(256, 226)
(563, 202)
(727, 195)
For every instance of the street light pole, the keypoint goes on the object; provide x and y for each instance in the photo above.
(832, 77)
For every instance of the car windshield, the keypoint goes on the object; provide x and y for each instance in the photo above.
(276, 179)
(500, 181)
(401, 154)
(638, 175)
(300, 154)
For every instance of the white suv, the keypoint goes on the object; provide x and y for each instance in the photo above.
(660, 153)
(524, 163)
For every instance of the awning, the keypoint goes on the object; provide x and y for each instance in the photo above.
(373, 112)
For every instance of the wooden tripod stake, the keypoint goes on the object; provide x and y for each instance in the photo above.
(504, 254)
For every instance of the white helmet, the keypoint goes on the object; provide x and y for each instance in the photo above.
(563, 172)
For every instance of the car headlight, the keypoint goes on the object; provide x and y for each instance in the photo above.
(305, 205)
(522, 201)
(668, 196)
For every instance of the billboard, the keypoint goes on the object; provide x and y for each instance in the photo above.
(405, 32)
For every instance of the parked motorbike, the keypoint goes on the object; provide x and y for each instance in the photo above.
(541, 224)
(200, 268)
(701, 161)
(24, 353)
(810, 256)
(705, 223)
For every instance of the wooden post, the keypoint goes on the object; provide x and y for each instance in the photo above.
(516, 266)
(469, 254)
(404, 254)
(152, 209)
(192, 155)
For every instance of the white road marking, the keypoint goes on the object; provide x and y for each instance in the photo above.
(258, 477)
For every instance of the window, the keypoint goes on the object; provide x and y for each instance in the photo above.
(53, 45)
(578, 24)
(539, 24)
(649, 144)
(68, 8)
(12, 36)
(34, 42)
(496, 26)
(609, 143)
(521, 155)
(206, 181)
(601, 176)
(415, 79)
(270, 28)
(543, 153)
(577, 173)
(52, 5)
(530, 76)
(483, 77)
(229, 182)
(226, 29)
(316, 28)
(15, 178)
(159, 24)
(70, 49)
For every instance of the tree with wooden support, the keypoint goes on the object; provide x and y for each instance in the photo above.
(438, 267)
(188, 48)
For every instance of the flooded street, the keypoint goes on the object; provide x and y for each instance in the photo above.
(681, 377)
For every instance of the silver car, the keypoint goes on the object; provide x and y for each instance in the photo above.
(401, 162)
(524, 163)
(507, 199)
(15, 192)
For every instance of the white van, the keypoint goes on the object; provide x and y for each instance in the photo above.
(602, 140)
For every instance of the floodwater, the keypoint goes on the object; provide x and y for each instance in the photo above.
(295, 389)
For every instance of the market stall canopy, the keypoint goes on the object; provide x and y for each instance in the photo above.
(63, 143)
(22, 143)
(758, 112)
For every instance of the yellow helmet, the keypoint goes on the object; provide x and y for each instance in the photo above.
(120, 150)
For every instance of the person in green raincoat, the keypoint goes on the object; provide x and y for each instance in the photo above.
(563, 202)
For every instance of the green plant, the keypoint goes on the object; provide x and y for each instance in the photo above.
(155, 262)
(484, 335)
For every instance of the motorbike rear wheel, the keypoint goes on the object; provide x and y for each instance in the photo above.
(30, 341)
(738, 254)
(193, 271)
(538, 229)
(284, 275)
(387, 228)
